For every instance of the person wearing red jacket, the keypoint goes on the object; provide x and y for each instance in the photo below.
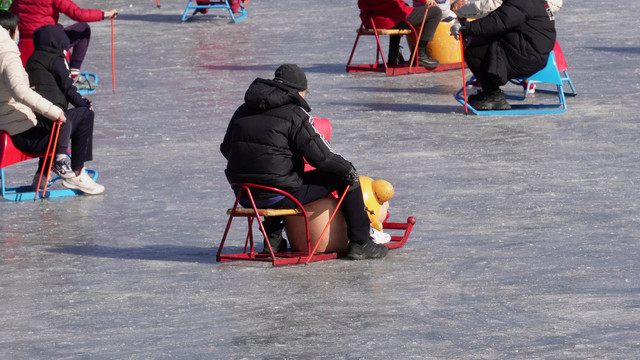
(395, 14)
(37, 13)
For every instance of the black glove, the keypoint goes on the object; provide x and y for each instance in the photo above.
(464, 28)
(352, 179)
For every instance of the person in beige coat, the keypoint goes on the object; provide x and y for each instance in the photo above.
(18, 103)
(17, 100)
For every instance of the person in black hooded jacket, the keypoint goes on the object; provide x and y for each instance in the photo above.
(49, 76)
(514, 41)
(266, 142)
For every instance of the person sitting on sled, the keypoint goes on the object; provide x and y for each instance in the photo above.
(28, 133)
(49, 76)
(266, 142)
(388, 14)
(37, 13)
(514, 41)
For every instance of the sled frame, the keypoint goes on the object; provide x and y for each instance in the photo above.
(254, 214)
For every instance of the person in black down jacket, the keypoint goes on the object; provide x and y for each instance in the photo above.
(49, 76)
(514, 41)
(266, 142)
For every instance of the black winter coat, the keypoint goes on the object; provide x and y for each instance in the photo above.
(525, 31)
(269, 135)
(48, 70)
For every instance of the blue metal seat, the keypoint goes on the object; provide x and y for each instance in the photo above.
(563, 69)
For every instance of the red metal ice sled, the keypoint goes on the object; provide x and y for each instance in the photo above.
(293, 256)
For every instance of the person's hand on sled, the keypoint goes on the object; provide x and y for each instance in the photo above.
(352, 179)
(61, 118)
(111, 13)
(87, 102)
(460, 28)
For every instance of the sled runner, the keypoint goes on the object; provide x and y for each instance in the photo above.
(9, 155)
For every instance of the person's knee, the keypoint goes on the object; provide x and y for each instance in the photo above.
(89, 116)
(86, 115)
(78, 30)
(435, 11)
(87, 30)
(65, 129)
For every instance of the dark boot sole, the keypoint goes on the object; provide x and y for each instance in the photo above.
(489, 106)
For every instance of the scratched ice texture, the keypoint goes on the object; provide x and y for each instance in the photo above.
(527, 237)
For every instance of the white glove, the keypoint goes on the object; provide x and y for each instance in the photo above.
(455, 30)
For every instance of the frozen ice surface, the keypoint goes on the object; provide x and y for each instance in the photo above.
(526, 245)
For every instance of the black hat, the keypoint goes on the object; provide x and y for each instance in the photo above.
(292, 76)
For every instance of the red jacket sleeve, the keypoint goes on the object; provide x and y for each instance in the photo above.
(36, 13)
(76, 13)
(385, 13)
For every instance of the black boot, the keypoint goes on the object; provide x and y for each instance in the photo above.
(489, 100)
(477, 96)
(425, 60)
(278, 244)
(393, 57)
(366, 250)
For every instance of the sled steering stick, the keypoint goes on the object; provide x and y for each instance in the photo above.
(326, 227)
(113, 65)
(55, 133)
(464, 81)
(414, 55)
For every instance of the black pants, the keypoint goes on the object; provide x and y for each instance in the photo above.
(488, 61)
(77, 131)
(430, 23)
(317, 185)
(79, 36)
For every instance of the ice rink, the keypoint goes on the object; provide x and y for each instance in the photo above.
(526, 244)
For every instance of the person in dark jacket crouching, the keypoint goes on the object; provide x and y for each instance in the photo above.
(266, 142)
(49, 76)
(514, 41)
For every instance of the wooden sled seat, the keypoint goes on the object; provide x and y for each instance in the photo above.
(263, 212)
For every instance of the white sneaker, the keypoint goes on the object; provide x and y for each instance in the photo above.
(84, 183)
(379, 237)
